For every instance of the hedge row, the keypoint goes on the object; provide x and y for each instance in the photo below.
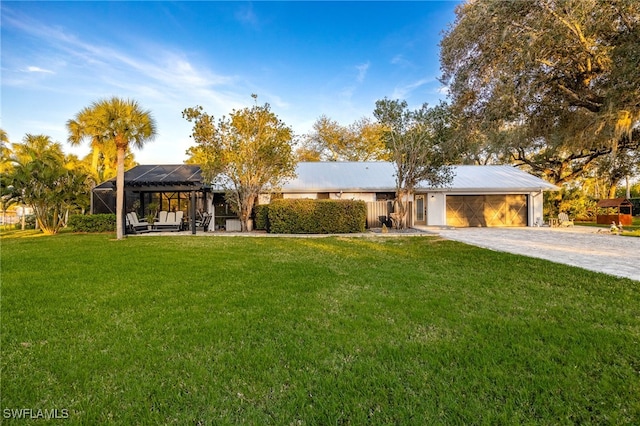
(313, 216)
(93, 223)
(261, 217)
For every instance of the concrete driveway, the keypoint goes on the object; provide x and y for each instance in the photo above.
(586, 247)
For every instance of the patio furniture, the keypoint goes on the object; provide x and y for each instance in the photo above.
(170, 221)
(386, 221)
(564, 220)
(135, 225)
(204, 221)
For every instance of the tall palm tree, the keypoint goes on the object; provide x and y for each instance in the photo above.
(117, 122)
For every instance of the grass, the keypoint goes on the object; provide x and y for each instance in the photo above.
(632, 230)
(409, 330)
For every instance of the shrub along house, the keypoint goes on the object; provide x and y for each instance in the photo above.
(478, 195)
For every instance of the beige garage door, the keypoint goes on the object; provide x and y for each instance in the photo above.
(487, 210)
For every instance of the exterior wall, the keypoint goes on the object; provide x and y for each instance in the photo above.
(298, 196)
(264, 198)
(536, 217)
(363, 196)
(436, 209)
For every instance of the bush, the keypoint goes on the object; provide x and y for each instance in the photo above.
(93, 223)
(316, 216)
(572, 201)
(261, 217)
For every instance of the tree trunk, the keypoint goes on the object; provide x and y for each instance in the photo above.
(245, 213)
(628, 194)
(120, 194)
(95, 157)
(399, 216)
(612, 190)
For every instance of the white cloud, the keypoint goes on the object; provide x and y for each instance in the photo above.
(362, 71)
(164, 75)
(38, 69)
(246, 15)
(399, 59)
(165, 82)
(403, 92)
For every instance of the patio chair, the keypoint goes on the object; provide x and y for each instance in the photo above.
(204, 221)
(386, 221)
(178, 220)
(564, 220)
(134, 224)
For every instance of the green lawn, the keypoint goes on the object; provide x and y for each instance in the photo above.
(632, 230)
(215, 330)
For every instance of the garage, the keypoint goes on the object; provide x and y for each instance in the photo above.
(487, 210)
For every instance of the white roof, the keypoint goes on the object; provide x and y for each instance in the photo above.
(380, 177)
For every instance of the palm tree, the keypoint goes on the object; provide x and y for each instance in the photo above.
(5, 152)
(41, 178)
(116, 122)
(76, 127)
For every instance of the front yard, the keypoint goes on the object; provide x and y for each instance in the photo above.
(398, 330)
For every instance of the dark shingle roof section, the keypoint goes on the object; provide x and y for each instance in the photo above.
(180, 175)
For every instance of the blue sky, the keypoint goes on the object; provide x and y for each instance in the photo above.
(304, 58)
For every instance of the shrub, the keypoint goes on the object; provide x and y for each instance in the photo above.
(93, 223)
(261, 220)
(317, 216)
(572, 201)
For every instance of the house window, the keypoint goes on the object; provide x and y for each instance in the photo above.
(383, 196)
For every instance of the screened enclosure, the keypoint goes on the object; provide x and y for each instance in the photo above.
(171, 188)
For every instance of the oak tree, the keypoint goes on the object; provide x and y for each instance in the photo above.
(549, 84)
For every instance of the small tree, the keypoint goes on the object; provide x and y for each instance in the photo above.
(246, 154)
(417, 146)
(43, 178)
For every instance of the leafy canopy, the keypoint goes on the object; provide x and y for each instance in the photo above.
(247, 153)
(551, 84)
(417, 142)
(118, 123)
(45, 179)
(330, 141)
